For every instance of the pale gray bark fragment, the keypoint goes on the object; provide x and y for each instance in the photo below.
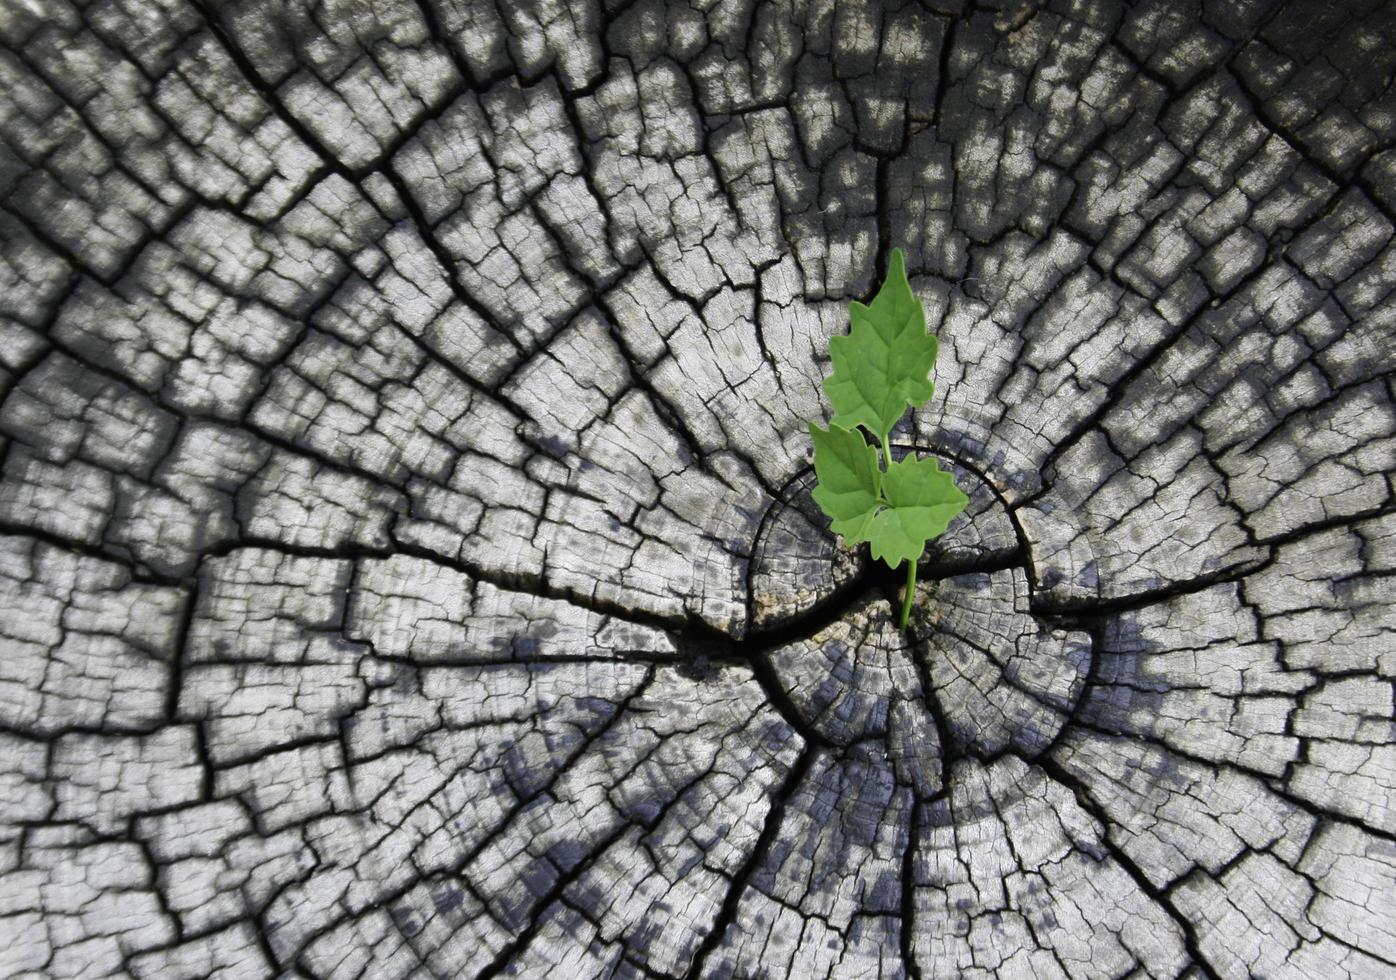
(1014, 879)
(825, 899)
(797, 563)
(1002, 681)
(86, 647)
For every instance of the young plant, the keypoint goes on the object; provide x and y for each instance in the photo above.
(882, 366)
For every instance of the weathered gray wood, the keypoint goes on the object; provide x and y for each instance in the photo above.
(407, 562)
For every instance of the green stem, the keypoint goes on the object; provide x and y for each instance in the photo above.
(886, 454)
(910, 591)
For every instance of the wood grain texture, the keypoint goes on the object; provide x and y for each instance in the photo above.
(407, 563)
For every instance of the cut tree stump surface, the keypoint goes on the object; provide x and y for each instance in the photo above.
(407, 559)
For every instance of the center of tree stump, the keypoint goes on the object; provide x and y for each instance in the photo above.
(976, 672)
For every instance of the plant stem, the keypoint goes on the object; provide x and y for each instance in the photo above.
(910, 591)
(910, 565)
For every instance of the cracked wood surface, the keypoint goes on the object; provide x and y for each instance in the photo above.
(407, 562)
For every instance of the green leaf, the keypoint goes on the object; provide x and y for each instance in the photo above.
(849, 480)
(882, 366)
(884, 362)
(921, 500)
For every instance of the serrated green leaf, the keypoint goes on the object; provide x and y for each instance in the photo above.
(849, 480)
(921, 501)
(884, 362)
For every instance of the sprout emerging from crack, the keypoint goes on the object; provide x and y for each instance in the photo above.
(882, 366)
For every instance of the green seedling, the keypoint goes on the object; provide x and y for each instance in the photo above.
(882, 366)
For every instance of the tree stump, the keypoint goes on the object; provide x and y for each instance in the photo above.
(406, 546)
